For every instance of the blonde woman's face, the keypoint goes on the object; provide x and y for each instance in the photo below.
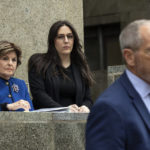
(64, 41)
(8, 65)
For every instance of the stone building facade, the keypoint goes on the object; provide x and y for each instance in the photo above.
(103, 21)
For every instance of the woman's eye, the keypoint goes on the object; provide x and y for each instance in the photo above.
(14, 60)
(70, 36)
(61, 36)
(4, 58)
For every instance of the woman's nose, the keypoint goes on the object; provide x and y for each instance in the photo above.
(66, 39)
(10, 62)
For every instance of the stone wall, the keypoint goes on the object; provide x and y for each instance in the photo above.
(109, 12)
(100, 12)
(114, 72)
(104, 79)
(27, 23)
(100, 77)
(42, 131)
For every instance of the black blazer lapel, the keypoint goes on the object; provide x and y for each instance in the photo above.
(78, 82)
(136, 100)
(54, 82)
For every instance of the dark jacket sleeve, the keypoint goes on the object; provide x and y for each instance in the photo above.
(87, 101)
(105, 129)
(83, 96)
(41, 99)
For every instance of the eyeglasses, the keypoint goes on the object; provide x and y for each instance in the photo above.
(62, 37)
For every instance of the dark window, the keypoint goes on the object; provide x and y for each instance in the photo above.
(102, 46)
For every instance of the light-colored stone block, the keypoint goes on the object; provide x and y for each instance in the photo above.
(114, 72)
(42, 131)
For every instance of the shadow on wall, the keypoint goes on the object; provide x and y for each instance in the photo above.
(104, 78)
(100, 77)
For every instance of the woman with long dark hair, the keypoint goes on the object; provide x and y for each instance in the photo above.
(61, 76)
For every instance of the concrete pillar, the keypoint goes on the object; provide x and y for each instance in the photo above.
(42, 131)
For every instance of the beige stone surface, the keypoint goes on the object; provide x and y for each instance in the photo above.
(42, 131)
(27, 23)
(100, 12)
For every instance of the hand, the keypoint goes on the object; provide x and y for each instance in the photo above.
(83, 109)
(73, 108)
(19, 104)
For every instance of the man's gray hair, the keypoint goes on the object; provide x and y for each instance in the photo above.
(130, 36)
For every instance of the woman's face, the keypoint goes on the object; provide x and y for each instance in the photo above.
(8, 65)
(64, 41)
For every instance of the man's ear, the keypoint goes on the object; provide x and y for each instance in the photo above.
(129, 56)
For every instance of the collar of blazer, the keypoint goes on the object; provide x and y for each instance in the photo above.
(136, 99)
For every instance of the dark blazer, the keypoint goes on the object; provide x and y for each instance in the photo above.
(45, 92)
(13, 90)
(119, 120)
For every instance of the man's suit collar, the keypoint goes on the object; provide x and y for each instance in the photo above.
(136, 99)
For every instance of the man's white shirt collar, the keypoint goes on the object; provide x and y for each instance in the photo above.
(140, 85)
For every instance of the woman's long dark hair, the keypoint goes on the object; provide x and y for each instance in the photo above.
(41, 61)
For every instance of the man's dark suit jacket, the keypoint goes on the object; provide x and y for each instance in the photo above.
(45, 92)
(119, 120)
